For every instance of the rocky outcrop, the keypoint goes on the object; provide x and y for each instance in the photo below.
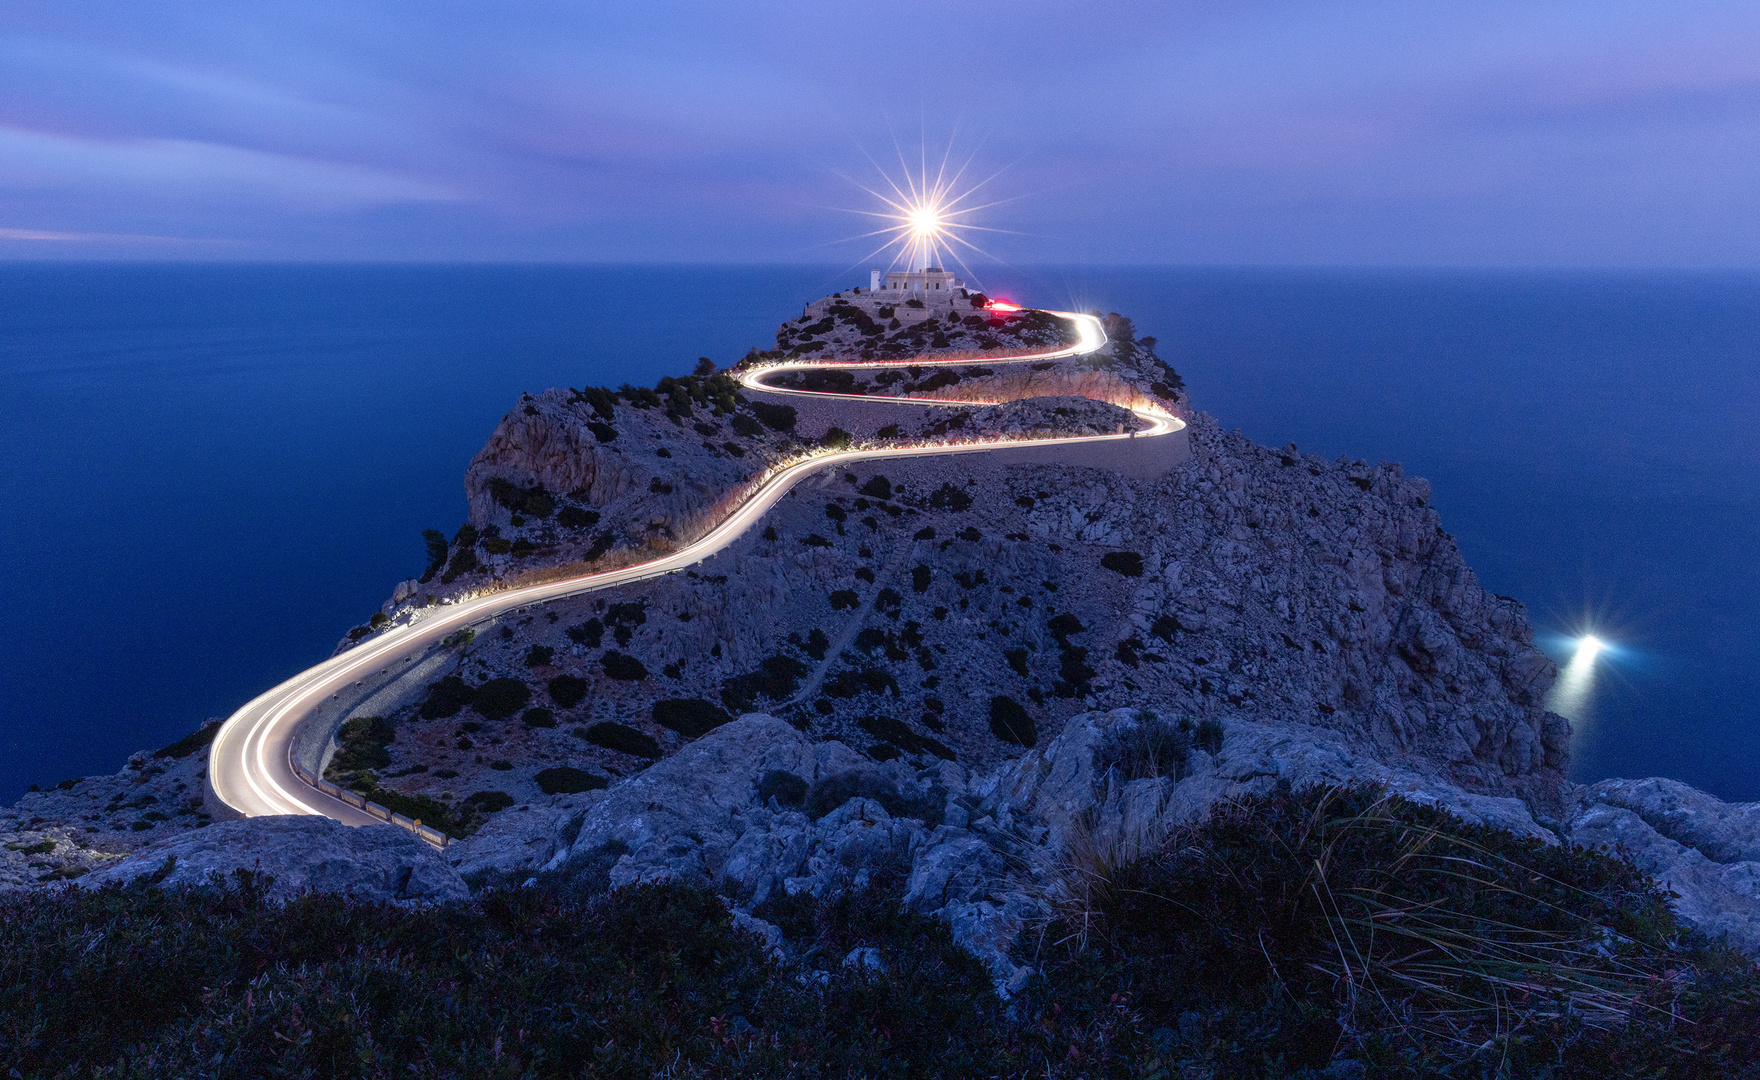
(81, 825)
(756, 808)
(1704, 851)
(373, 863)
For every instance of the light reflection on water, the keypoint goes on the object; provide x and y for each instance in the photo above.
(1576, 683)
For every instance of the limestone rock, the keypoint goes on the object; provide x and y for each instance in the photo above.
(1696, 846)
(375, 862)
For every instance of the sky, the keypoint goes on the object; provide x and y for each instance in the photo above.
(1576, 133)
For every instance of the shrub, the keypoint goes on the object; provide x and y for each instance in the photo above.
(852, 681)
(1208, 736)
(835, 439)
(774, 417)
(539, 655)
(1342, 924)
(1128, 563)
(497, 545)
(845, 598)
(589, 633)
(745, 426)
(622, 738)
(499, 699)
(533, 501)
(574, 517)
(538, 717)
(833, 791)
(690, 717)
(448, 697)
(1153, 746)
(567, 690)
(360, 746)
(899, 734)
(948, 497)
(876, 487)
(603, 432)
(489, 801)
(1017, 660)
(567, 780)
(776, 678)
(435, 540)
(463, 562)
(623, 667)
(1010, 722)
(785, 787)
(189, 744)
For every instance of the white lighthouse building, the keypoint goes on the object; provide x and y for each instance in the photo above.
(931, 282)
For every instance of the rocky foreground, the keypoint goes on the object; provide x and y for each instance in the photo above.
(977, 677)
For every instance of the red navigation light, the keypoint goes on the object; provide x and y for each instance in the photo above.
(1001, 305)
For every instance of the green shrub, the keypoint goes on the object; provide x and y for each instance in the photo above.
(1010, 723)
(833, 791)
(776, 679)
(499, 699)
(899, 734)
(1153, 746)
(539, 655)
(774, 417)
(1128, 563)
(189, 744)
(464, 560)
(835, 439)
(567, 690)
(876, 487)
(691, 717)
(588, 633)
(538, 717)
(622, 738)
(435, 541)
(497, 545)
(360, 746)
(574, 517)
(621, 666)
(489, 801)
(447, 697)
(566, 780)
(849, 682)
(533, 501)
(948, 497)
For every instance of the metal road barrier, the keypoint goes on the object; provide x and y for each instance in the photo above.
(433, 836)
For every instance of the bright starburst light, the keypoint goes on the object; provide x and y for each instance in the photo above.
(928, 214)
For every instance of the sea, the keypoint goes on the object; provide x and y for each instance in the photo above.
(213, 471)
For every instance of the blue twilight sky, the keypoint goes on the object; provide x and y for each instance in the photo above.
(1477, 132)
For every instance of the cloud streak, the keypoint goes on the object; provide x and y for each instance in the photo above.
(1353, 132)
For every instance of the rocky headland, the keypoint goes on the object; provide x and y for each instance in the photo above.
(956, 674)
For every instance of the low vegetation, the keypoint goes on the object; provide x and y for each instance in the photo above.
(1317, 935)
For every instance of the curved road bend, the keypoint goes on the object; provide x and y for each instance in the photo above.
(250, 767)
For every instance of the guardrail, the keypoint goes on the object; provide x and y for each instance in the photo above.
(360, 802)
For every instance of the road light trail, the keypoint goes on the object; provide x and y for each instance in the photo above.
(250, 766)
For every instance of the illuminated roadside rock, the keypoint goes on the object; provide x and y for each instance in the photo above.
(373, 863)
(1704, 850)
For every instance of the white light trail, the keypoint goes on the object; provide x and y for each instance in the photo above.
(250, 765)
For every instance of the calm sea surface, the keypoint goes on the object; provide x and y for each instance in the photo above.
(212, 472)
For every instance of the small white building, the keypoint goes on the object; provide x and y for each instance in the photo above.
(921, 284)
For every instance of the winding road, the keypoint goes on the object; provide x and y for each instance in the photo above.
(251, 768)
